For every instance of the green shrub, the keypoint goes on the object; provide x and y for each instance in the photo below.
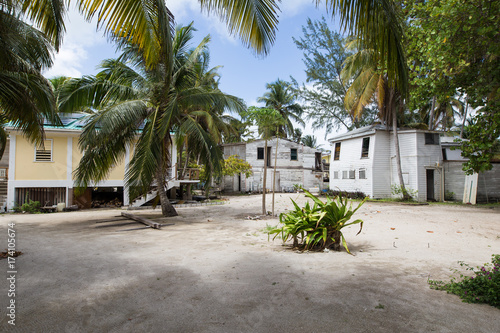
(317, 227)
(350, 195)
(449, 196)
(28, 207)
(482, 287)
(398, 190)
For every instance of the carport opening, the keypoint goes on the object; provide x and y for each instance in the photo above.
(106, 197)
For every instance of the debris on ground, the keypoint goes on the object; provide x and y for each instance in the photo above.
(7, 253)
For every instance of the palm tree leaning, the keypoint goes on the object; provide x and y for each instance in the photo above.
(368, 81)
(140, 107)
(281, 97)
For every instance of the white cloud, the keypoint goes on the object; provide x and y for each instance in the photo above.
(68, 62)
(79, 37)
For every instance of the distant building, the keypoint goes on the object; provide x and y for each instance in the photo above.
(365, 160)
(296, 164)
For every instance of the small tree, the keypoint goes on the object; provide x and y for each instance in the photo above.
(234, 166)
(268, 122)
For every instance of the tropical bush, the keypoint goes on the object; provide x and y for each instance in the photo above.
(350, 195)
(319, 226)
(28, 207)
(400, 190)
(482, 287)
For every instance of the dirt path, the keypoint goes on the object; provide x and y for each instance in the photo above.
(214, 271)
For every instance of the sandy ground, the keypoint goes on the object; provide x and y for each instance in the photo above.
(214, 271)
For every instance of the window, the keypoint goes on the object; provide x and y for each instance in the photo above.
(362, 174)
(293, 154)
(43, 153)
(344, 175)
(336, 156)
(335, 175)
(431, 138)
(260, 153)
(352, 174)
(444, 154)
(365, 148)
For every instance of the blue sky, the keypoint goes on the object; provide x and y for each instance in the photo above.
(242, 74)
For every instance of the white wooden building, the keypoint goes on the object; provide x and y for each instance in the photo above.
(296, 164)
(364, 160)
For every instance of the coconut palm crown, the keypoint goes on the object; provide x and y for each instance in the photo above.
(139, 108)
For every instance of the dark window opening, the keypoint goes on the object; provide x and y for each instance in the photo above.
(260, 153)
(444, 154)
(336, 156)
(431, 138)
(293, 154)
(362, 174)
(366, 147)
(317, 161)
(352, 174)
(268, 156)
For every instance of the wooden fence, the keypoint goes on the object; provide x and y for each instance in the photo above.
(47, 196)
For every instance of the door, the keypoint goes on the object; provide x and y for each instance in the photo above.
(430, 185)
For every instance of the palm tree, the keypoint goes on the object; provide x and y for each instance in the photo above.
(370, 83)
(310, 141)
(297, 135)
(281, 97)
(26, 98)
(141, 107)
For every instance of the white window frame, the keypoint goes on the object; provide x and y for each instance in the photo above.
(364, 173)
(46, 143)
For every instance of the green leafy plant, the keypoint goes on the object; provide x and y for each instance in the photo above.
(351, 195)
(297, 187)
(449, 196)
(399, 190)
(318, 226)
(482, 287)
(28, 207)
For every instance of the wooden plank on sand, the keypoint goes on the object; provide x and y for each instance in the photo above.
(147, 222)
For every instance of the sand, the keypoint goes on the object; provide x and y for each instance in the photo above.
(215, 271)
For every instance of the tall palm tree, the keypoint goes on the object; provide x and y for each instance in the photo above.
(141, 107)
(26, 98)
(281, 97)
(370, 83)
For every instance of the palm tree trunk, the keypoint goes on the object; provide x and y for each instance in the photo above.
(264, 179)
(398, 154)
(166, 207)
(274, 174)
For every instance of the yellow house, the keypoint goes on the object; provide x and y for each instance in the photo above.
(45, 174)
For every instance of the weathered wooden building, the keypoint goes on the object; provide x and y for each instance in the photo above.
(364, 160)
(296, 164)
